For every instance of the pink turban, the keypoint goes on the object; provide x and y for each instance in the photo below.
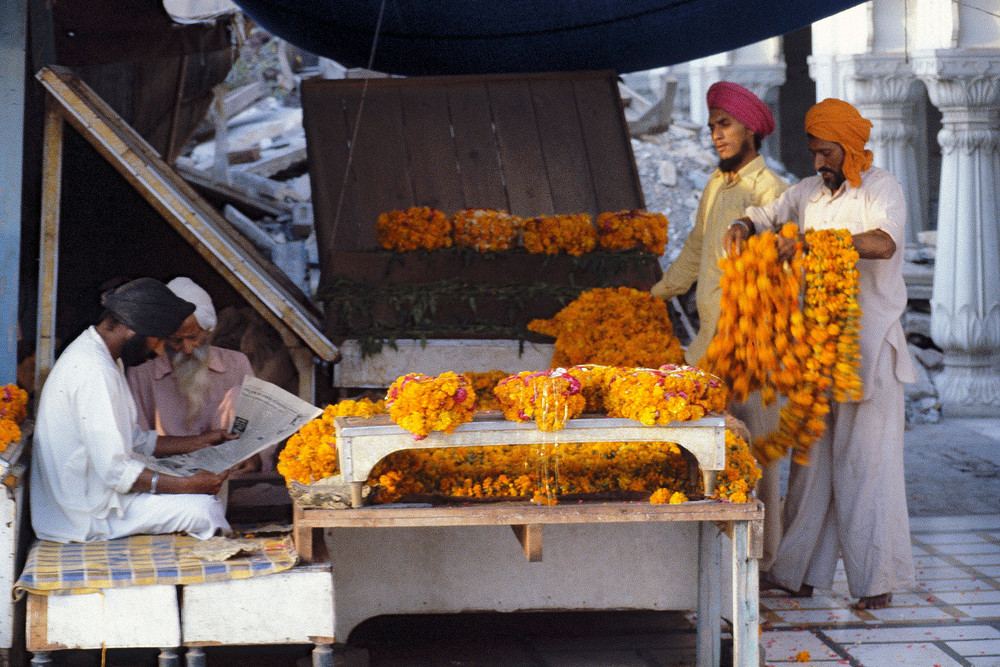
(837, 121)
(743, 105)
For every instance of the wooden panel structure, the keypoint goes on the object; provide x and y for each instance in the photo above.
(531, 144)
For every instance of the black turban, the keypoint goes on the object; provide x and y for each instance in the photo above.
(147, 307)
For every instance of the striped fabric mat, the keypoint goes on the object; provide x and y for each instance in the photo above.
(142, 560)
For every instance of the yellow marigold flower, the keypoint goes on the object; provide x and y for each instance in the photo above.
(421, 403)
(802, 656)
(550, 235)
(624, 230)
(484, 229)
(677, 498)
(612, 327)
(416, 228)
(551, 397)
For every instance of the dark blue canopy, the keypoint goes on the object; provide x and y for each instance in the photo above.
(427, 37)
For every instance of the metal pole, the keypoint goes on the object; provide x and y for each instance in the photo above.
(12, 74)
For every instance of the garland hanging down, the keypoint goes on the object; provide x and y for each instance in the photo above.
(766, 340)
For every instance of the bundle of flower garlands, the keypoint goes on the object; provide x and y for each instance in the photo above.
(539, 472)
(624, 230)
(663, 395)
(553, 234)
(485, 230)
(767, 341)
(416, 228)
(544, 472)
(311, 454)
(612, 326)
(13, 410)
(593, 379)
(423, 403)
(550, 397)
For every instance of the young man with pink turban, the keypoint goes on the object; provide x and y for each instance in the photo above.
(850, 500)
(738, 121)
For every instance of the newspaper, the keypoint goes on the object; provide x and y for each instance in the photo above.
(265, 414)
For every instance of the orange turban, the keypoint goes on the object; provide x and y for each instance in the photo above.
(839, 122)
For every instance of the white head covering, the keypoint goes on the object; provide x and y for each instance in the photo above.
(188, 290)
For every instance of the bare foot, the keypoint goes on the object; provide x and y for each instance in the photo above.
(874, 602)
(769, 584)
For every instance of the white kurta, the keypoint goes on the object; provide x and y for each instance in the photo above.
(83, 458)
(851, 501)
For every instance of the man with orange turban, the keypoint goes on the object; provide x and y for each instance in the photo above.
(738, 121)
(850, 500)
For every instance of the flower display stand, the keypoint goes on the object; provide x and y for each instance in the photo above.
(597, 555)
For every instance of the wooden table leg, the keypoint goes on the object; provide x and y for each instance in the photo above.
(709, 637)
(746, 594)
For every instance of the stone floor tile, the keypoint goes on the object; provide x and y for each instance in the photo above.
(783, 645)
(799, 617)
(904, 655)
(814, 602)
(979, 559)
(924, 562)
(968, 548)
(984, 662)
(969, 597)
(947, 572)
(976, 647)
(947, 538)
(953, 524)
(910, 614)
(923, 633)
(945, 585)
(989, 570)
(979, 610)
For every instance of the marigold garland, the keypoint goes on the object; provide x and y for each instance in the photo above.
(593, 380)
(483, 384)
(612, 327)
(765, 340)
(13, 410)
(421, 403)
(664, 395)
(416, 228)
(550, 397)
(311, 453)
(485, 230)
(552, 234)
(635, 228)
(739, 478)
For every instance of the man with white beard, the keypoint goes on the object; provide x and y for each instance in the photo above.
(192, 387)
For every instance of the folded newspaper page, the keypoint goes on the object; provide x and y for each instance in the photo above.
(265, 414)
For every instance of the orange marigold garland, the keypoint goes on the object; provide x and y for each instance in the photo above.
(758, 326)
(737, 481)
(550, 397)
(421, 403)
(550, 235)
(766, 340)
(613, 326)
(829, 345)
(416, 228)
(624, 230)
(311, 453)
(13, 410)
(664, 395)
(484, 229)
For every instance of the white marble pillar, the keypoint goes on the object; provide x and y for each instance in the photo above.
(883, 88)
(964, 84)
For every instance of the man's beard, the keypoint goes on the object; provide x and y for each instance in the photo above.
(838, 178)
(191, 374)
(136, 351)
(729, 164)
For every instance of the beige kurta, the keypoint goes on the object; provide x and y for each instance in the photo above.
(723, 201)
(851, 501)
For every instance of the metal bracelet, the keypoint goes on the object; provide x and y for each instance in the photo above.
(740, 222)
(152, 482)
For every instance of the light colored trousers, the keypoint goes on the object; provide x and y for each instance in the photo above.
(850, 501)
(196, 514)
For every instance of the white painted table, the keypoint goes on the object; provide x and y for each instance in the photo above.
(363, 554)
